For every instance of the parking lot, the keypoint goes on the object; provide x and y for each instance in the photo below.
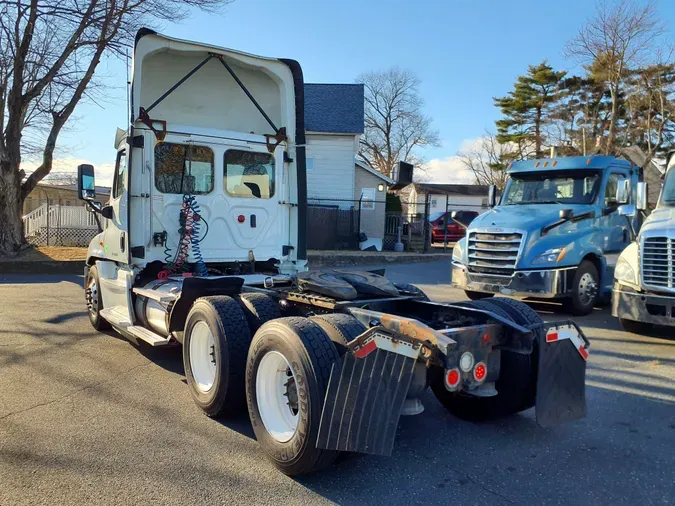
(88, 418)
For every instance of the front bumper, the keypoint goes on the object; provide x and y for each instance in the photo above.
(543, 284)
(642, 307)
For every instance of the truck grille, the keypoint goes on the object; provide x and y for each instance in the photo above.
(658, 262)
(494, 253)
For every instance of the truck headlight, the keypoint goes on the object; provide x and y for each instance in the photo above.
(550, 256)
(624, 272)
(457, 252)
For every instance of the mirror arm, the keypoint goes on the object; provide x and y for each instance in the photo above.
(96, 211)
(632, 228)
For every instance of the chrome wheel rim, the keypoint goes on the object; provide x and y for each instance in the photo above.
(588, 289)
(203, 356)
(92, 295)
(277, 396)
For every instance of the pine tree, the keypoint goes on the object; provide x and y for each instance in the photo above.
(525, 110)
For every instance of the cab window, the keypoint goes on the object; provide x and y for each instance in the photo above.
(182, 168)
(610, 189)
(249, 174)
(120, 172)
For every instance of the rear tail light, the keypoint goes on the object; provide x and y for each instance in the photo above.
(480, 372)
(452, 379)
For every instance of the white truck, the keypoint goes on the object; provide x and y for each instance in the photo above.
(203, 247)
(644, 277)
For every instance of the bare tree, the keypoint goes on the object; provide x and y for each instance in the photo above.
(487, 160)
(620, 36)
(49, 52)
(651, 108)
(394, 123)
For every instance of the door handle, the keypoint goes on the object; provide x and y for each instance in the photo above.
(122, 242)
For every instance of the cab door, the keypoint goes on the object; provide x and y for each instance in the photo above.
(617, 228)
(116, 233)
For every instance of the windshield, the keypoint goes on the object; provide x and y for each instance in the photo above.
(668, 193)
(579, 187)
(435, 216)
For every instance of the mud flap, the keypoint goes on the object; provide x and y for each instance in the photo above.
(561, 389)
(363, 403)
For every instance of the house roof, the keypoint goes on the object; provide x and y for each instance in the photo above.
(334, 108)
(456, 189)
(103, 190)
(374, 172)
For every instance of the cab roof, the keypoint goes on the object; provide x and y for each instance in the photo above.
(568, 163)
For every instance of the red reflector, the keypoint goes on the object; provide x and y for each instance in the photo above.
(551, 336)
(241, 218)
(452, 377)
(480, 371)
(583, 352)
(369, 347)
(486, 338)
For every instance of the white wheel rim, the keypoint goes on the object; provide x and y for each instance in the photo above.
(277, 396)
(202, 356)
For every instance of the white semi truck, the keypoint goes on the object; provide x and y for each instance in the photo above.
(203, 246)
(644, 278)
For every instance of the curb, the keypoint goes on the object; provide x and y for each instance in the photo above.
(314, 260)
(42, 267)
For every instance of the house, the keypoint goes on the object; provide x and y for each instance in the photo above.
(334, 124)
(453, 197)
(61, 195)
(370, 188)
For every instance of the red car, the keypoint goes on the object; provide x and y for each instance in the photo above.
(455, 230)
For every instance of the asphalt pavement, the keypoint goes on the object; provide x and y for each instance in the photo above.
(89, 418)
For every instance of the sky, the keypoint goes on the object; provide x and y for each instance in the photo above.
(464, 52)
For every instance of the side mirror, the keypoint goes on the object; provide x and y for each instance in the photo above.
(627, 210)
(623, 191)
(566, 214)
(641, 196)
(492, 196)
(86, 184)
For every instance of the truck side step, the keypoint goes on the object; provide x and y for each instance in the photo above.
(161, 297)
(147, 335)
(115, 317)
(119, 320)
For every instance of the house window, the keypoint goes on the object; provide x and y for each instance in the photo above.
(181, 168)
(367, 199)
(309, 164)
(249, 174)
(433, 202)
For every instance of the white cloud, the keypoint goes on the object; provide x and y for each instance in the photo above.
(447, 170)
(104, 172)
(450, 169)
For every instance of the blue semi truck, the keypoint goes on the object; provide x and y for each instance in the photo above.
(556, 232)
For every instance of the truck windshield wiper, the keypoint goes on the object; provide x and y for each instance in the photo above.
(541, 202)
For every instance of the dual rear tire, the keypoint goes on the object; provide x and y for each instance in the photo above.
(281, 372)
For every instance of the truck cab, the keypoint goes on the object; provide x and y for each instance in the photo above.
(555, 234)
(644, 278)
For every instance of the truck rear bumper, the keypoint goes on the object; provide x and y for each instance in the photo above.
(643, 307)
(543, 284)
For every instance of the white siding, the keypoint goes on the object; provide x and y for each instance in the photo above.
(457, 203)
(332, 174)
